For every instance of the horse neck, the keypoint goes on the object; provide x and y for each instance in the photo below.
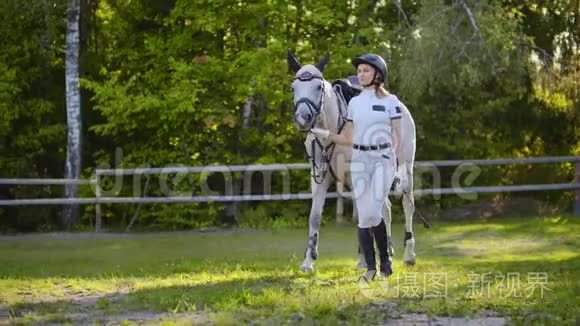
(329, 115)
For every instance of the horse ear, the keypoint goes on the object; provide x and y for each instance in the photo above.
(322, 63)
(293, 63)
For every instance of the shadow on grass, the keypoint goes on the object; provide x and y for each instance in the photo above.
(41, 258)
(260, 251)
(229, 296)
(268, 294)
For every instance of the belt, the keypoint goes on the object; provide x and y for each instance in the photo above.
(371, 147)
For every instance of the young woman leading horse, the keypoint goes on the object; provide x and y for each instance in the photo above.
(368, 139)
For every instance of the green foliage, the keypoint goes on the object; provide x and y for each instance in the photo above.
(469, 78)
(272, 215)
(32, 128)
(167, 82)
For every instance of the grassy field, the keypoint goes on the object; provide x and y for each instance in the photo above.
(497, 266)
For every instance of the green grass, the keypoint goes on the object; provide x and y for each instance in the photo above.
(252, 275)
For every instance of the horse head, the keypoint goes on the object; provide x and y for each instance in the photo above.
(310, 90)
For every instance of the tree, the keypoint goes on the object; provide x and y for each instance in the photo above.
(205, 82)
(462, 71)
(71, 213)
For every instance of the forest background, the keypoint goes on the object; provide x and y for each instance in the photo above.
(193, 83)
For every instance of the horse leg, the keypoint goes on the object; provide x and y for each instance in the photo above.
(388, 220)
(318, 199)
(409, 209)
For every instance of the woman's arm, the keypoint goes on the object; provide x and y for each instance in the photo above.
(345, 137)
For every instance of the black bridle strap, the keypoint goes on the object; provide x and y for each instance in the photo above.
(311, 105)
(328, 151)
(315, 110)
(315, 167)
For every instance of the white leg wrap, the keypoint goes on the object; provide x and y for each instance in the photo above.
(409, 258)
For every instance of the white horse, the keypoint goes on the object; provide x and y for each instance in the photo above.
(317, 104)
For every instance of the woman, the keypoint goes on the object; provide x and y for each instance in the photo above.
(373, 130)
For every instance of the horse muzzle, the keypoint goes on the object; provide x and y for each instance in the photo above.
(303, 122)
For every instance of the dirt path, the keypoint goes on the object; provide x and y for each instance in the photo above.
(422, 319)
(395, 316)
(83, 310)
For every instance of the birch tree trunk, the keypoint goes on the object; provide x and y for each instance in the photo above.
(73, 110)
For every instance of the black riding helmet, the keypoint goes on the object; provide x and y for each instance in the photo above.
(376, 61)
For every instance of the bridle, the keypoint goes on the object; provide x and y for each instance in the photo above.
(315, 109)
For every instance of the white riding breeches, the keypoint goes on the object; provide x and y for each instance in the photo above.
(372, 173)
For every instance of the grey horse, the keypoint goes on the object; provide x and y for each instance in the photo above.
(317, 103)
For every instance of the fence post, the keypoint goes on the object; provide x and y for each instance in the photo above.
(98, 205)
(577, 179)
(339, 203)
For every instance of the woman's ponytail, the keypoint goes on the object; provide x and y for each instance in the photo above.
(380, 91)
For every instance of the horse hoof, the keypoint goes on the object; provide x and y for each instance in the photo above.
(409, 257)
(362, 264)
(307, 267)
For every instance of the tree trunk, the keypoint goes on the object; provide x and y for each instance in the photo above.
(233, 208)
(73, 109)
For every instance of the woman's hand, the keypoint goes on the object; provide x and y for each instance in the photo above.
(344, 138)
(322, 133)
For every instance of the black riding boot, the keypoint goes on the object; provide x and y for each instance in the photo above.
(382, 240)
(365, 239)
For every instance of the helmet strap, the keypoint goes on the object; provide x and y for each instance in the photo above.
(373, 82)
